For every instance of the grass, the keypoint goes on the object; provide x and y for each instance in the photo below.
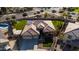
(76, 10)
(47, 43)
(19, 25)
(57, 24)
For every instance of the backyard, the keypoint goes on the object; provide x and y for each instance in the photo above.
(76, 9)
(57, 24)
(19, 25)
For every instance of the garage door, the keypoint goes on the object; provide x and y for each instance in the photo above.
(28, 44)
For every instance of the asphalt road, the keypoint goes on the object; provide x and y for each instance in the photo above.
(31, 15)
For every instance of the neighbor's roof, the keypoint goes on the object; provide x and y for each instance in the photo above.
(72, 26)
(48, 29)
(50, 24)
(40, 25)
(45, 23)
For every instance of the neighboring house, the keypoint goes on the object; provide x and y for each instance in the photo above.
(74, 15)
(3, 41)
(72, 34)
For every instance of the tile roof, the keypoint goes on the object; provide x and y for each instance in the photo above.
(71, 27)
(30, 30)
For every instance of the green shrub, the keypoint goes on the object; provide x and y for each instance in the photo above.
(57, 24)
(47, 43)
(19, 25)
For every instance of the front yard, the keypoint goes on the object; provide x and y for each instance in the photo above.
(76, 10)
(57, 24)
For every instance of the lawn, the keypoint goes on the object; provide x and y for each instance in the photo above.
(76, 10)
(19, 25)
(57, 24)
(47, 43)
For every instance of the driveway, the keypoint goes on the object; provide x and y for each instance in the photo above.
(28, 44)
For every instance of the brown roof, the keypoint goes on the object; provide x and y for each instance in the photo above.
(30, 30)
(36, 22)
(48, 29)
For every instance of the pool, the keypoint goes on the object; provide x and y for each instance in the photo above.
(3, 26)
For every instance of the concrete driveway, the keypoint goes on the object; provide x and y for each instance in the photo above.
(28, 44)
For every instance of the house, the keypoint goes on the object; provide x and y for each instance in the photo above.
(3, 40)
(72, 34)
(30, 34)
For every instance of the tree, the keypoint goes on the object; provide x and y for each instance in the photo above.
(13, 16)
(78, 18)
(61, 11)
(46, 15)
(70, 9)
(42, 10)
(53, 11)
(4, 10)
(38, 12)
(59, 34)
(25, 14)
(64, 8)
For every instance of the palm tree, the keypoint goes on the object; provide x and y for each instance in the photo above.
(59, 35)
